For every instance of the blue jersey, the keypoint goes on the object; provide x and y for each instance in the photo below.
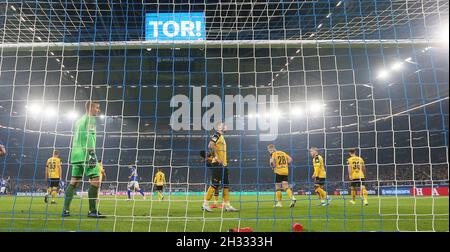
(133, 174)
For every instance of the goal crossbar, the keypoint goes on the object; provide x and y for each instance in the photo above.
(113, 45)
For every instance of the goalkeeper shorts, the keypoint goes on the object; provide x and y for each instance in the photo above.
(79, 170)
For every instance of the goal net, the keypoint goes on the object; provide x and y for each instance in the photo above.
(333, 75)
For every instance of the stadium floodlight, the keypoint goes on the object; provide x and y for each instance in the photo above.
(383, 74)
(72, 115)
(296, 111)
(315, 107)
(34, 109)
(50, 112)
(397, 66)
(275, 113)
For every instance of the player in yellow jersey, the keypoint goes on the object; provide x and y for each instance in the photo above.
(101, 177)
(279, 161)
(53, 176)
(356, 173)
(219, 170)
(158, 183)
(319, 176)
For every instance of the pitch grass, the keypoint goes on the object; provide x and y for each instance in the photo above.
(182, 213)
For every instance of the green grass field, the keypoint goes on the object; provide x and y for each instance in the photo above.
(182, 213)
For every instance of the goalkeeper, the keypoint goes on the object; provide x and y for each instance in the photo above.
(84, 161)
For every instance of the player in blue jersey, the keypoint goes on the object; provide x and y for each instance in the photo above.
(62, 185)
(3, 184)
(133, 182)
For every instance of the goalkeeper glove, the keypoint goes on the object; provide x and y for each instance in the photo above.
(92, 159)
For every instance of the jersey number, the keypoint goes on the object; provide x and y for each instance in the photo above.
(356, 165)
(282, 160)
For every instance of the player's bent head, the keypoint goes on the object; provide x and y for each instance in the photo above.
(56, 153)
(352, 151)
(99, 161)
(221, 127)
(92, 108)
(313, 151)
(271, 148)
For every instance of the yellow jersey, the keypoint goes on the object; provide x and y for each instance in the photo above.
(159, 179)
(100, 171)
(356, 164)
(53, 168)
(281, 162)
(220, 149)
(319, 167)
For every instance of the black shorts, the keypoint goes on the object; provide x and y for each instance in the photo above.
(219, 175)
(53, 182)
(281, 178)
(319, 181)
(159, 188)
(356, 182)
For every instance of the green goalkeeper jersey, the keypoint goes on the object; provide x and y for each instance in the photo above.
(84, 139)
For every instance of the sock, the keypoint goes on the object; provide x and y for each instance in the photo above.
(159, 195)
(209, 194)
(226, 196)
(93, 195)
(364, 193)
(289, 193)
(353, 193)
(49, 190)
(129, 194)
(318, 193)
(53, 194)
(278, 193)
(216, 197)
(322, 193)
(69, 196)
(141, 192)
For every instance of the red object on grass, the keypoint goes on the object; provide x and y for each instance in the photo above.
(297, 227)
(242, 230)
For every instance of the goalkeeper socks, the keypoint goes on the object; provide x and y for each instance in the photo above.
(69, 196)
(129, 194)
(289, 193)
(209, 193)
(279, 195)
(93, 195)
